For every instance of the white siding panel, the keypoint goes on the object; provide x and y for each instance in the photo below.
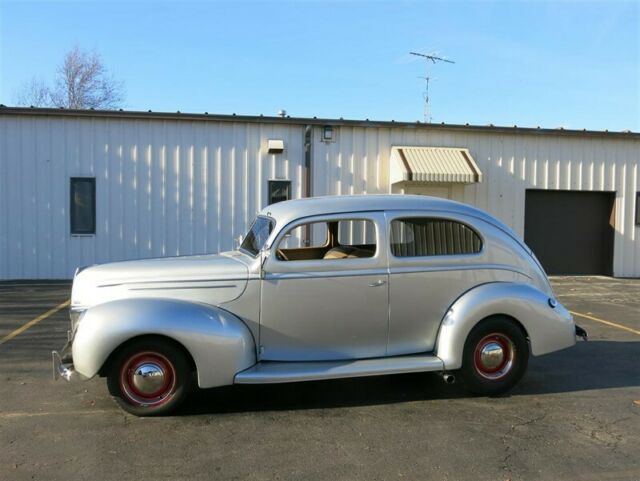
(171, 187)
(511, 163)
(162, 187)
(635, 235)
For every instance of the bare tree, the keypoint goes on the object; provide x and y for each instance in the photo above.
(82, 82)
(34, 93)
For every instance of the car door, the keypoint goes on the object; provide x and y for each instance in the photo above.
(329, 301)
(433, 259)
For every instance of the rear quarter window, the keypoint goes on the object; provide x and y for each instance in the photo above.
(424, 236)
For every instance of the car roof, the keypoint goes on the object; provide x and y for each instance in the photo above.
(287, 211)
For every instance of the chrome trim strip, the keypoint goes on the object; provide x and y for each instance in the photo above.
(324, 274)
(228, 286)
(176, 281)
(391, 270)
(498, 267)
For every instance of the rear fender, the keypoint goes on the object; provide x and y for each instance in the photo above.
(548, 328)
(220, 344)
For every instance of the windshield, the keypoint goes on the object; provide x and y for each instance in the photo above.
(257, 235)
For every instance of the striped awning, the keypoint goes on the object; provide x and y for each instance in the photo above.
(434, 164)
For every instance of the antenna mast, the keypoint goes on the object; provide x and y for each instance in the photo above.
(434, 59)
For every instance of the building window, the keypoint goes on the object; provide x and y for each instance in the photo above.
(83, 205)
(417, 237)
(279, 190)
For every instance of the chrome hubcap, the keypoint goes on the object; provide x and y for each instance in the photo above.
(491, 355)
(148, 378)
(494, 356)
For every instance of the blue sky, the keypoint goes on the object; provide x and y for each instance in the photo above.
(571, 64)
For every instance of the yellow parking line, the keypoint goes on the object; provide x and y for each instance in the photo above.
(608, 323)
(33, 322)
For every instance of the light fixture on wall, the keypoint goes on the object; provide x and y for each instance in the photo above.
(327, 133)
(275, 146)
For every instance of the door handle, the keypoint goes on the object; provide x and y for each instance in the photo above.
(378, 283)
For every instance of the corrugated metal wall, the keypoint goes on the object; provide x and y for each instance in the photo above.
(172, 187)
(358, 162)
(162, 187)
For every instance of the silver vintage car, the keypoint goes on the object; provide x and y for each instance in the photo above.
(320, 288)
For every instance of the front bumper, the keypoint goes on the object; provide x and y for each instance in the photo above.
(63, 360)
(63, 365)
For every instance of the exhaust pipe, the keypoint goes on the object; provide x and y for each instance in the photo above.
(448, 378)
(580, 332)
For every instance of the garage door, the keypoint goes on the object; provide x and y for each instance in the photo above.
(571, 232)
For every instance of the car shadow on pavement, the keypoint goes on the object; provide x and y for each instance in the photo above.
(589, 365)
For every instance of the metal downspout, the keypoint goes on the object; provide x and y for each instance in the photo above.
(308, 181)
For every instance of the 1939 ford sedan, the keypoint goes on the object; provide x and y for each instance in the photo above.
(320, 288)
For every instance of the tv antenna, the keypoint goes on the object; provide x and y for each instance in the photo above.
(434, 59)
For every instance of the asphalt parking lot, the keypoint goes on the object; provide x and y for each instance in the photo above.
(575, 415)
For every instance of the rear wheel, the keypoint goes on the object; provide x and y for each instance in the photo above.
(495, 357)
(149, 377)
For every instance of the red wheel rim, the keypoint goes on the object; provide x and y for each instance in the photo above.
(148, 379)
(494, 356)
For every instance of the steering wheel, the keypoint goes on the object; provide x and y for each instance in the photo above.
(282, 255)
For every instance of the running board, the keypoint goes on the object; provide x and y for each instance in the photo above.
(270, 372)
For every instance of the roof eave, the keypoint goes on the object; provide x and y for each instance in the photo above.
(149, 115)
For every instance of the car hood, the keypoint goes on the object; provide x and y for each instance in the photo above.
(212, 279)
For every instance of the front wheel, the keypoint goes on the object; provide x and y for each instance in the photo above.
(149, 377)
(495, 358)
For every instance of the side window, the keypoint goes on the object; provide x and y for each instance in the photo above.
(330, 240)
(412, 237)
(83, 205)
(356, 232)
(313, 235)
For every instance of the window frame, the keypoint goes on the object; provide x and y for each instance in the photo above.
(271, 187)
(414, 215)
(73, 229)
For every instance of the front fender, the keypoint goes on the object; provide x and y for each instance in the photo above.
(548, 329)
(220, 343)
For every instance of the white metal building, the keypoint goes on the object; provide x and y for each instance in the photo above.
(85, 187)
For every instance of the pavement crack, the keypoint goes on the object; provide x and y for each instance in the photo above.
(527, 422)
(509, 450)
(603, 432)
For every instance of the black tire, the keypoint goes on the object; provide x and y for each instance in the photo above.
(152, 355)
(486, 375)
